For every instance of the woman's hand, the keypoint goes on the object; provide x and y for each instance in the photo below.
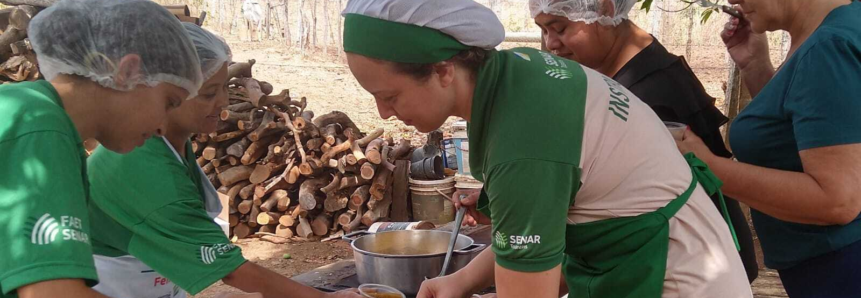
(690, 142)
(469, 198)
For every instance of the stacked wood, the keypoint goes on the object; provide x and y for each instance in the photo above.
(288, 174)
(17, 58)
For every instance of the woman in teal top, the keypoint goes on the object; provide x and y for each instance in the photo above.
(113, 69)
(152, 209)
(799, 142)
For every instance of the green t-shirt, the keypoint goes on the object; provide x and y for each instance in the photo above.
(524, 136)
(812, 102)
(43, 190)
(149, 204)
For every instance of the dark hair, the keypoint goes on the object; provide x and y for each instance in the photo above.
(472, 59)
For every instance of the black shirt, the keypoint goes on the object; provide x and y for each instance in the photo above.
(668, 85)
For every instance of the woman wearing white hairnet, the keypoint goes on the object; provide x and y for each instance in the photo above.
(113, 70)
(152, 209)
(599, 35)
(581, 178)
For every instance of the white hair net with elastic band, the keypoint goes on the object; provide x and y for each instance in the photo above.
(211, 49)
(588, 11)
(88, 38)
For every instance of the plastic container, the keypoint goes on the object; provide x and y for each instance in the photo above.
(461, 146)
(379, 291)
(430, 202)
(676, 129)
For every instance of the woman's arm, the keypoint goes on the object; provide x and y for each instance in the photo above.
(826, 193)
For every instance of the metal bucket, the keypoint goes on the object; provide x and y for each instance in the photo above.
(402, 259)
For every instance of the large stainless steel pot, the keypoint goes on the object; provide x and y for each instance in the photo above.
(402, 259)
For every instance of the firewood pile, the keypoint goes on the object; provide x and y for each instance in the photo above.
(17, 59)
(290, 173)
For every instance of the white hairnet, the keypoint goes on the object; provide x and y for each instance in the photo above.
(588, 11)
(88, 38)
(211, 49)
(467, 21)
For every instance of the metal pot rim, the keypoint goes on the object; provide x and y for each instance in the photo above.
(365, 252)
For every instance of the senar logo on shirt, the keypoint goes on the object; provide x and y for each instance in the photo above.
(556, 68)
(46, 229)
(516, 242)
(208, 254)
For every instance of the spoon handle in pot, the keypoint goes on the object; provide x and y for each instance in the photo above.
(456, 231)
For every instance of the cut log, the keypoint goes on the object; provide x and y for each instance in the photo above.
(234, 117)
(233, 220)
(240, 107)
(401, 151)
(249, 125)
(325, 147)
(238, 149)
(270, 185)
(381, 210)
(385, 161)
(351, 159)
(235, 70)
(229, 136)
(268, 218)
(255, 151)
(357, 221)
(378, 187)
(373, 135)
(368, 169)
(210, 151)
(320, 224)
(335, 202)
(297, 212)
(272, 154)
(267, 122)
(225, 127)
(252, 88)
(281, 99)
(235, 174)
(372, 152)
(293, 175)
(245, 206)
(208, 168)
(299, 123)
(287, 121)
(233, 160)
(314, 144)
(246, 192)
(308, 198)
(281, 200)
(233, 192)
(284, 231)
(339, 148)
(269, 229)
(359, 197)
(287, 221)
(311, 167)
(263, 172)
(400, 191)
(336, 117)
(242, 230)
(334, 185)
(330, 132)
(252, 216)
(345, 218)
(353, 181)
(304, 229)
(266, 88)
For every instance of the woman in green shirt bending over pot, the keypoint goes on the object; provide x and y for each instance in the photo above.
(581, 178)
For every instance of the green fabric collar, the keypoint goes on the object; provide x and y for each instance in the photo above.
(397, 42)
